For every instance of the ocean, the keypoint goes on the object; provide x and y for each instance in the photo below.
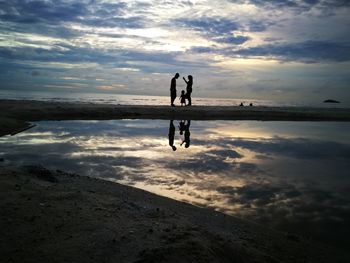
(123, 99)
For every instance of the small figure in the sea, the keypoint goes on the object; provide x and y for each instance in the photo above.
(189, 89)
(183, 98)
(241, 105)
(250, 104)
(182, 127)
(187, 135)
(171, 135)
(173, 89)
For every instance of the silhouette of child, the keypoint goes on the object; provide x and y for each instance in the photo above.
(187, 135)
(182, 127)
(183, 98)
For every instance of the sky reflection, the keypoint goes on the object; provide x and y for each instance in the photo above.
(288, 175)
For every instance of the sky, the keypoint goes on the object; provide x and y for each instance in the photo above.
(279, 50)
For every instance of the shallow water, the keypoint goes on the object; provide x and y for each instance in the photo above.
(292, 176)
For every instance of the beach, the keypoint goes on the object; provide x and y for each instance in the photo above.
(53, 216)
(56, 216)
(15, 114)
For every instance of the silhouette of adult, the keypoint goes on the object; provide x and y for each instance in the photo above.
(187, 134)
(172, 135)
(189, 89)
(173, 89)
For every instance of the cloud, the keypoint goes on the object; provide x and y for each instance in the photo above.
(309, 51)
(303, 5)
(236, 40)
(35, 73)
(28, 12)
(296, 148)
(210, 25)
(218, 29)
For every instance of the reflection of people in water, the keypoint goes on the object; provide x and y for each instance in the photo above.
(182, 127)
(172, 135)
(187, 134)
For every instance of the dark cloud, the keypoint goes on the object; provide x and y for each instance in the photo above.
(35, 73)
(258, 26)
(58, 11)
(296, 148)
(303, 5)
(236, 40)
(122, 58)
(306, 52)
(127, 22)
(24, 11)
(218, 29)
(253, 193)
(214, 26)
(211, 162)
(321, 213)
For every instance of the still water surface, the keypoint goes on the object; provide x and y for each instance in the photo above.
(292, 176)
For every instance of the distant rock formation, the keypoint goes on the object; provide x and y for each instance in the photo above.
(331, 101)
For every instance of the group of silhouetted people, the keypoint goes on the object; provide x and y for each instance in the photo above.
(184, 96)
(184, 128)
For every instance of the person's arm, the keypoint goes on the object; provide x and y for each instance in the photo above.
(184, 79)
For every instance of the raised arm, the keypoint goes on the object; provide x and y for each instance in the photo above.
(185, 80)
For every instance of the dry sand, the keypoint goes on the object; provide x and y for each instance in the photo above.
(15, 113)
(58, 217)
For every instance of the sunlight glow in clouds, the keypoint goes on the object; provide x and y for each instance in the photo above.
(232, 48)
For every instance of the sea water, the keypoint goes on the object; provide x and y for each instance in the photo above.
(292, 176)
(123, 99)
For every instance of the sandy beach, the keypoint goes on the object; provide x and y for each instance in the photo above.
(15, 114)
(53, 216)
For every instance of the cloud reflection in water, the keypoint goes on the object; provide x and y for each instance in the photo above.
(293, 176)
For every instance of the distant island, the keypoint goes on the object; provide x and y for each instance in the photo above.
(331, 101)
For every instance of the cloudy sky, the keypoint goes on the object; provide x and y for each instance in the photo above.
(279, 50)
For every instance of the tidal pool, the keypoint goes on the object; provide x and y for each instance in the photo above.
(292, 176)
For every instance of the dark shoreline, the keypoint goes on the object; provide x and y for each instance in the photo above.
(16, 113)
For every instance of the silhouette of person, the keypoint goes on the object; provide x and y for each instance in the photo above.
(187, 134)
(173, 89)
(172, 135)
(189, 89)
(183, 98)
(182, 127)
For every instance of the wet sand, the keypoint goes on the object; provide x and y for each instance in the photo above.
(15, 114)
(52, 216)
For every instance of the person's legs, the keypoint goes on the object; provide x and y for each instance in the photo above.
(189, 99)
(172, 100)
